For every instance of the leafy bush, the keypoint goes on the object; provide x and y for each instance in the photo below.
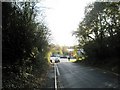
(25, 45)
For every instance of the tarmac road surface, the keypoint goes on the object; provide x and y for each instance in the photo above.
(73, 75)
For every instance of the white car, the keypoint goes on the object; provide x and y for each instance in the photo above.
(54, 59)
(63, 59)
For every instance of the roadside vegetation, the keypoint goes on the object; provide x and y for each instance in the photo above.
(99, 35)
(25, 46)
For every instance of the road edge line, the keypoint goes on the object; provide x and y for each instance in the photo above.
(55, 77)
(58, 73)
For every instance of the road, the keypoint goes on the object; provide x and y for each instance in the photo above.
(73, 75)
(0, 76)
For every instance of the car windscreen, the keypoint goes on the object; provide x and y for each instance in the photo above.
(63, 57)
(72, 57)
(53, 56)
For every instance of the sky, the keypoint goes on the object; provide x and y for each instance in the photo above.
(62, 18)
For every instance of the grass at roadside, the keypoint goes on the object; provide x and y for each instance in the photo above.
(72, 60)
(77, 60)
(49, 79)
(111, 66)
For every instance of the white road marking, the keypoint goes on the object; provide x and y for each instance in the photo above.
(58, 73)
(55, 76)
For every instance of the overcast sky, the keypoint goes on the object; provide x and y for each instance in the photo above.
(63, 17)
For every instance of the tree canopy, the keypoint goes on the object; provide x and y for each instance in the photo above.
(99, 32)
